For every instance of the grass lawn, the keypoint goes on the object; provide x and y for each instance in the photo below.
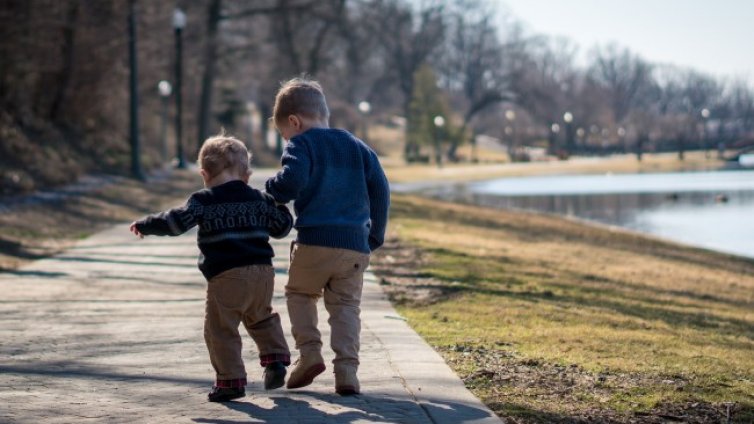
(552, 320)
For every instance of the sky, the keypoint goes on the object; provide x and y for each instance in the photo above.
(713, 36)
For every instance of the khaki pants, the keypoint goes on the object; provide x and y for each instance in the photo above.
(339, 274)
(242, 295)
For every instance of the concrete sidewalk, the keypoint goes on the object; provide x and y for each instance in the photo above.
(111, 331)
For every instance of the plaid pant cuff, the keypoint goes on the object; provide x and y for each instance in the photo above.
(231, 384)
(265, 360)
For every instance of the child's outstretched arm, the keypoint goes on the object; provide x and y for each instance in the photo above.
(173, 222)
(286, 184)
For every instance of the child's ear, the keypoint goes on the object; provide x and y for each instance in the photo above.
(294, 121)
(204, 174)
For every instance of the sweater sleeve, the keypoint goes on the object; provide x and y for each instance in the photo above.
(280, 219)
(288, 183)
(172, 222)
(379, 202)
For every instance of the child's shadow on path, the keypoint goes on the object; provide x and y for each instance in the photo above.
(346, 410)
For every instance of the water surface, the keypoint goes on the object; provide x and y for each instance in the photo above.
(714, 210)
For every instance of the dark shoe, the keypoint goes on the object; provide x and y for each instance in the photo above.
(274, 376)
(224, 394)
(346, 381)
(307, 368)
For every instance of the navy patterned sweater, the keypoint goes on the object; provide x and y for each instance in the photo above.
(340, 190)
(235, 222)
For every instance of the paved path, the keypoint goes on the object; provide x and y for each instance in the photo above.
(111, 331)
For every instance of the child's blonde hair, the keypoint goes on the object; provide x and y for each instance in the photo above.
(222, 152)
(300, 96)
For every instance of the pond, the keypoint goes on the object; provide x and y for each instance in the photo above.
(714, 210)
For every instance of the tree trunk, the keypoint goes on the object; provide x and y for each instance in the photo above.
(67, 52)
(640, 146)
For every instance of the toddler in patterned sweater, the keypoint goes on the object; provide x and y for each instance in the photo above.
(235, 222)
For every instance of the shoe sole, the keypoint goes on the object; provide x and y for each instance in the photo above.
(346, 391)
(308, 377)
(276, 382)
(227, 398)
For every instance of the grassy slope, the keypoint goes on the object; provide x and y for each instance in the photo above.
(553, 320)
(30, 232)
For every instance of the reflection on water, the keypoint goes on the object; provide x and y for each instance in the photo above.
(719, 215)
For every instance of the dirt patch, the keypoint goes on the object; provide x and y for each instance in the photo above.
(396, 265)
(510, 381)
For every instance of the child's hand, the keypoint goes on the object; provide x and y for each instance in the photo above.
(135, 230)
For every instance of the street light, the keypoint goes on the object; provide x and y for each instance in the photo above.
(552, 139)
(705, 116)
(621, 138)
(165, 89)
(179, 21)
(365, 108)
(439, 122)
(510, 115)
(568, 119)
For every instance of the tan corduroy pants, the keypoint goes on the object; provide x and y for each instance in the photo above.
(338, 275)
(242, 295)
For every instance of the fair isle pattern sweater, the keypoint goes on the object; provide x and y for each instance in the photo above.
(340, 190)
(235, 222)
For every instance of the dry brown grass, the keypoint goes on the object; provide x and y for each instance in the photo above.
(34, 231)
(550, 319)
(662, 162)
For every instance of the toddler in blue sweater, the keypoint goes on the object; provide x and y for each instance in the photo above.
(341, 199)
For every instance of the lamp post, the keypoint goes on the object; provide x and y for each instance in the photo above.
(134, 94)
(568, 119)
(705, 116)
(165, 89)
(554, 131)
(439, 122)
(622, 137)
(510, 115)
(365, 108)
(179, 21)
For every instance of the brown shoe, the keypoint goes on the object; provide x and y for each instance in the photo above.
(307, 367)
(346, 382)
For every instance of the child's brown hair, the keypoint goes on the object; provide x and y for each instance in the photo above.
(300, 96)
(222, 152)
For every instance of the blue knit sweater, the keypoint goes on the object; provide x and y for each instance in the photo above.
(340, 190)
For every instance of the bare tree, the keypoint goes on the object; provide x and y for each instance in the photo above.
(473, 62)
(407, 38)
(545, 83)
(742, 104)
(624, 75)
